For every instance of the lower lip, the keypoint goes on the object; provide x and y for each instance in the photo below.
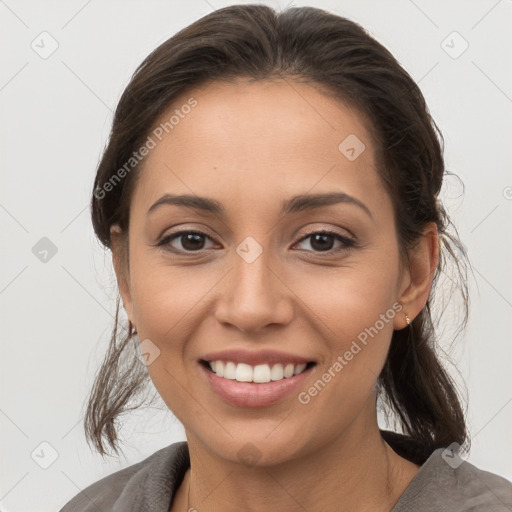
(251, 394)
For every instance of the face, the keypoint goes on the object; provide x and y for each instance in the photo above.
(264, 279)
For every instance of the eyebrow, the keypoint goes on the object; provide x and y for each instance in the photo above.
(295, 204)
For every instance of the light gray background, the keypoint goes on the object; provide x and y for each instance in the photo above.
(57, 315)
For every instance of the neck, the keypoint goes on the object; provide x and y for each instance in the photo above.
(357, 471)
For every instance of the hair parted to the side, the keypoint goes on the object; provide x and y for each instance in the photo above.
(340, 57)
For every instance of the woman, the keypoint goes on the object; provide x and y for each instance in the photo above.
(270, 196)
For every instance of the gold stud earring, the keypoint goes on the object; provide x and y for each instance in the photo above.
(407, 319)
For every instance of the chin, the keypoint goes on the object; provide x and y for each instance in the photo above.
(258, 449)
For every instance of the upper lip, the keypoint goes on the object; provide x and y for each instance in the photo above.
(254, 358)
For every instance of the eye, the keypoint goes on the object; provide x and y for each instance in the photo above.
(194, 241)
(191, 241)
(322, 241)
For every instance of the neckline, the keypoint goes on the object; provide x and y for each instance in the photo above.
(403, 445)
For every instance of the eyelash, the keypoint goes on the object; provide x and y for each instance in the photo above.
(347, 242)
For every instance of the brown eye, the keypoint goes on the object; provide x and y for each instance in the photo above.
(190, 241)
(323, 241)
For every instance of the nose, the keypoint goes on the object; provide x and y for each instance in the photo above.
(254, 296)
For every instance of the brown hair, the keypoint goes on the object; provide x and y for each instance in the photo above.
(339, 56)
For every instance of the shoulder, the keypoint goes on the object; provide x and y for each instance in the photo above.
(447, 482)
(131, 489)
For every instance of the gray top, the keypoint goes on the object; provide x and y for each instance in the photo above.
(443, 484)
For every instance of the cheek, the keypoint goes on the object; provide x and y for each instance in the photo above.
(166, 303)
(357, 326)
(166, 298)
(348, 300)
(356, 313)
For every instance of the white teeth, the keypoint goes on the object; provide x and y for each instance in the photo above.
(230, 371)
(260, 373)
(243, 373)
(288, 371)
(299, 369)
(277, 372)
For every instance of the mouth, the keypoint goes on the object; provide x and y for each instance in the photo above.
(259, 374)
(259, 385)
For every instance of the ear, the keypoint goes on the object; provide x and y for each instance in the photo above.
(119, 246)
(423, 259)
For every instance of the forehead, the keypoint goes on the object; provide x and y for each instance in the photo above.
(256, 141)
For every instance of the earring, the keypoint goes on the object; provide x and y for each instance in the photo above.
(407, 319)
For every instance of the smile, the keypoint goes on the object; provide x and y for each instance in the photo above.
(261, 373)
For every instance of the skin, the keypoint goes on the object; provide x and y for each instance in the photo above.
(251, 146)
